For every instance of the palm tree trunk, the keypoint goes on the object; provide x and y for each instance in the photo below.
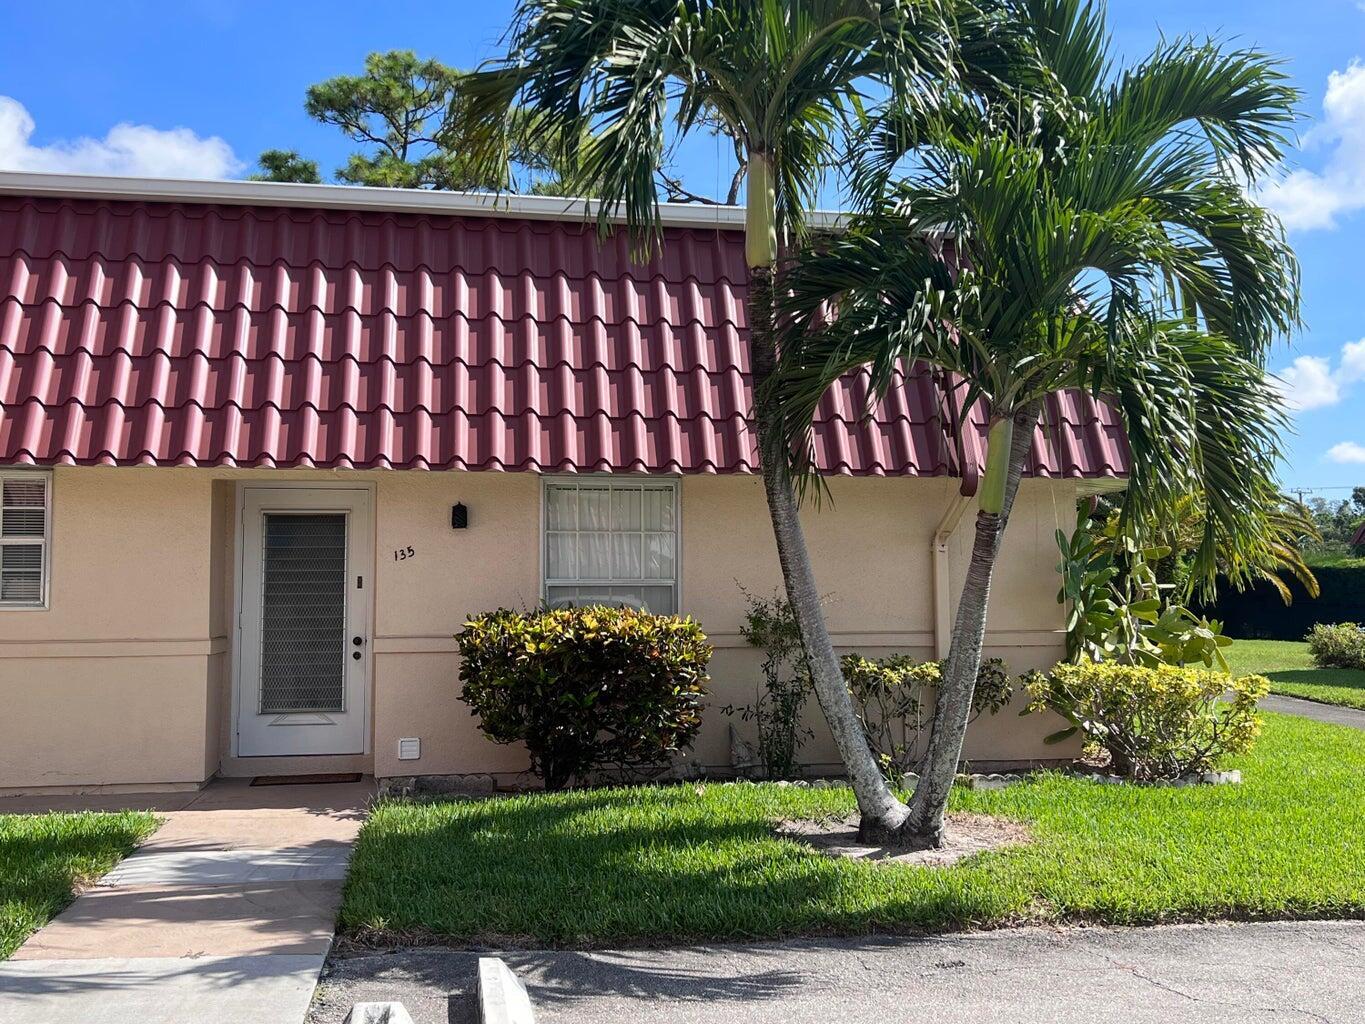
(1009, 446)
(877, 804)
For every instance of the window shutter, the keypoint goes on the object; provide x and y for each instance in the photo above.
(23, 539)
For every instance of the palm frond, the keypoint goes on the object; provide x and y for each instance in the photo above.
(1202, 419)
(1240, 101)
(1105, 243)
(611, 79)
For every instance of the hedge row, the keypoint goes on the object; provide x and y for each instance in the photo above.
(1257, 613)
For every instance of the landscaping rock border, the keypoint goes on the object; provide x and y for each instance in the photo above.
(1229, 778)
(438, 785)
(990, 780)
(476, 786)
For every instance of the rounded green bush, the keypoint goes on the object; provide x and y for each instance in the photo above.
(585, 688)
(1338, 646)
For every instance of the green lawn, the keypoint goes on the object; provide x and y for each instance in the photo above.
(1290, 669)
(1326, 560)
(44, 858)
(686, 863)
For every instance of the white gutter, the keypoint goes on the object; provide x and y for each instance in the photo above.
(938, 552)
(356, 197)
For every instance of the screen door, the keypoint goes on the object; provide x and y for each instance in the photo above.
(304, 642)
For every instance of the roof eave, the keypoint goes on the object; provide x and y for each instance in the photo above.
(357, 197)
(1096, 485)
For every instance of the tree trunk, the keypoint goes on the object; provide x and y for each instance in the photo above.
(953, 701)
(877, 804)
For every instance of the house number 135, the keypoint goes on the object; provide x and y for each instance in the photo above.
(403, 554)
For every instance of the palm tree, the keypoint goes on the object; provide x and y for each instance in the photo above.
(781, 78)
(1085, 228)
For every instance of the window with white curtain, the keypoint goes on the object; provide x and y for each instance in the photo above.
(25, 500)
(612, 542)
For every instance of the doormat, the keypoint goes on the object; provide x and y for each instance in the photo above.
(305, 780)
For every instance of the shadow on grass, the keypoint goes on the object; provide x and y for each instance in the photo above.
(622, 867)
(43, 859)
(1343, 677)
(632, 868)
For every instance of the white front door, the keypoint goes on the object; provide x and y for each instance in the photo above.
(304, 624)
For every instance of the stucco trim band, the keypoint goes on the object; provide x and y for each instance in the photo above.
(136, 648)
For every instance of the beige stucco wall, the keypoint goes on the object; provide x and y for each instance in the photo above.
(126, 679)
(871, 546)
(872, 552)
(111, 684)
(422, 601)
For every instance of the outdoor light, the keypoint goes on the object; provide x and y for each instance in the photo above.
(459, 517)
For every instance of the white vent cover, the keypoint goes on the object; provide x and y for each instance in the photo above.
(409, 748)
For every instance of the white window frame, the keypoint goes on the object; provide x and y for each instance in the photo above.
(46, 540)
(659, 483)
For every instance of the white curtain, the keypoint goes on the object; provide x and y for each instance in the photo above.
(611, 543)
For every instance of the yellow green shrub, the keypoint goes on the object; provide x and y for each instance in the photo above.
(1156, 723)
(893, 696)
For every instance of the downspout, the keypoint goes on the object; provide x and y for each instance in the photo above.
(938, 551)
(954, 429)
(989, 489)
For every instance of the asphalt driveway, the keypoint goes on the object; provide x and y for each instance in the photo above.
(1282, 972)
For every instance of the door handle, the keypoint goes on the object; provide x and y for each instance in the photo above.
(357, 640)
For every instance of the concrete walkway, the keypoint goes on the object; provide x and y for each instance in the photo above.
(1284, 973)
(226, 914)
(1315, 710)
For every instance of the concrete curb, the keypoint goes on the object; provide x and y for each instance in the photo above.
(502, 997)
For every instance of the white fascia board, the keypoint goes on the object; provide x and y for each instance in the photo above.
(356, 197)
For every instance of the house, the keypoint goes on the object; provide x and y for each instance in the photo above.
(263, 447)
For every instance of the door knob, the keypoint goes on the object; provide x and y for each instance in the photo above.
(357, 640)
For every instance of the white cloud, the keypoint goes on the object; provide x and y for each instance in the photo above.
(1352, 362)
(134, 149)
(1311, 382)
(1308, 200)
(1347, 451)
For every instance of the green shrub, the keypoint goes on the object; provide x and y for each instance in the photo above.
(1119, 610)
(1155, 723)
(776, 712)
(1339, 646)
(585, 688)
(888, 696)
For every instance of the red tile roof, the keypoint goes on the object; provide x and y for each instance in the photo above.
(210, 334)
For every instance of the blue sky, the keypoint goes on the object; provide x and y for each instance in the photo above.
(200, 87)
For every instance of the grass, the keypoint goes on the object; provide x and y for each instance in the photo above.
(46, 858)
(1289, 667)
(1333, 560)
(692, 863)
